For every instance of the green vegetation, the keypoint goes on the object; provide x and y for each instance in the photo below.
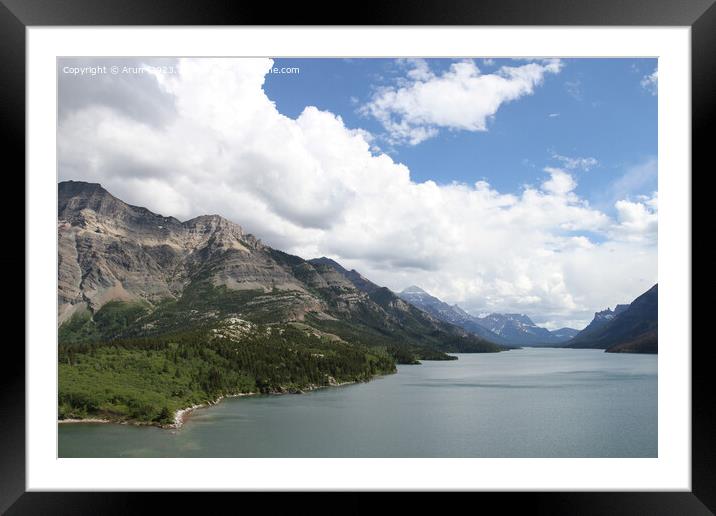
(396, 345)
(647, 342)
(138, 362)
(148, 379)
(109, 322)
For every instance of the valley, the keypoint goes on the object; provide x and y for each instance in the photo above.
(156, 315)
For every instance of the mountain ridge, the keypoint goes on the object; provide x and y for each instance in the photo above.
(629, 328)
(452, 314)
(505, 329)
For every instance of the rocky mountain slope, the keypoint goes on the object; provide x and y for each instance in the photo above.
(126, 272)
(452, 314)
(409, 314)
(629, 328)
(358, 281)
(600, 320)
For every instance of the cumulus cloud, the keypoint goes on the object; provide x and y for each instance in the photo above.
(312, 186)
(638, 220)
(461, 98)
(650, 82)
(560, 183)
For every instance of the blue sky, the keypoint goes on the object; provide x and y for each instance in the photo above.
(599, 108)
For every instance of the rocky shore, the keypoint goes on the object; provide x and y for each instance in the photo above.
(181, 415)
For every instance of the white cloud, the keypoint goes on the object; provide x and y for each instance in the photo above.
(560, 182)
(651, 82)
(576, 163)
(311, 186)
(638, 220)
(461, 98)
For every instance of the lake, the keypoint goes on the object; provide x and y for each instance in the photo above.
(523, 403)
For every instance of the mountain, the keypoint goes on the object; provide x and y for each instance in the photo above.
(601, 319)
(629, 328)
(520, 330)
(209, 268)
(452, 314)
(504, 329)
(564, 334)
(352, 275)
(410, 315)
(647, 342)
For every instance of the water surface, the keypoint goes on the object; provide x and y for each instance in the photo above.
(523, 403)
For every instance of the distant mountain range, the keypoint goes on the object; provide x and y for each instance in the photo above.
(629, 328)
(506, 329)
(449, 313)
(519, 329)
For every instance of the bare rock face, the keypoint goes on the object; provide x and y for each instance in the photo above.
(69, 293)
(110, 250)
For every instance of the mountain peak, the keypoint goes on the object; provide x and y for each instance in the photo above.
(75, 187)
(75, 196)
(523, 318)
(67, 190)
(632, 327)
(413, 289)
(324, 260)
(356, 278)
(214, 221)
(519, 318)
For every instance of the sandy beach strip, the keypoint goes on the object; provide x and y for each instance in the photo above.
(181, 415)
(88, 420)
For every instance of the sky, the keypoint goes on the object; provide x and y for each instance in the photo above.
(501, 185)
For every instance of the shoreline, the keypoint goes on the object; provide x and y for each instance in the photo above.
(88, 420)
(181, 415)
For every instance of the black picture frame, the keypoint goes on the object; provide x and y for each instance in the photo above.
(17, 15)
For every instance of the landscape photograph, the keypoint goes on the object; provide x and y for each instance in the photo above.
(357, 257)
